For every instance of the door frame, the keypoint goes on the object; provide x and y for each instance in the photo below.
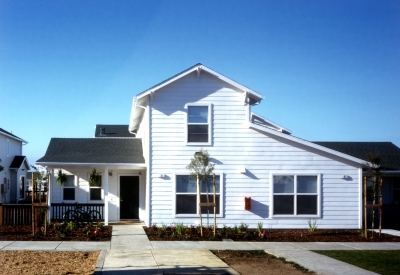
(119, 194)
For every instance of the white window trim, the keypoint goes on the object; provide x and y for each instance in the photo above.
(197, 215)
(210, 119)
(70, 187)
(289, 173)
(96, 187)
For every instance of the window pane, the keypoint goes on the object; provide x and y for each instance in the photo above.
(95, 194)
(70, 180)
(396, 196)
(283, 184)
(307, 184)
(186, 184)
(210, 185)
(307, 204)
(203, 198)
(197, 133)
(186, 204)
(197, 114)
(69, 194)
(283, 204)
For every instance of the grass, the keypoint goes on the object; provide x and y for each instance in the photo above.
(386, 262)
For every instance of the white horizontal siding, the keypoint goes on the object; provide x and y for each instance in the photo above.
(236, 146)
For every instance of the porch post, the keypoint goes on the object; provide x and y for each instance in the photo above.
(106, 196)
(48, 197)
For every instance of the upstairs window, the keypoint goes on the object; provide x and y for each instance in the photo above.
(198, 124)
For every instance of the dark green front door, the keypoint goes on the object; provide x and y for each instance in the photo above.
(129, 196)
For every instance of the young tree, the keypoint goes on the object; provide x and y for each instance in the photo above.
(201, 168)
(374, 177)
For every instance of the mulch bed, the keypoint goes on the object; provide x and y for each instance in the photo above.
(273, 235)
(24, 233)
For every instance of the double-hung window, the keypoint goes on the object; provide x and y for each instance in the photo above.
(95, 191)
(296, 195)
(69, 188)
(198, 124)
(186, 195)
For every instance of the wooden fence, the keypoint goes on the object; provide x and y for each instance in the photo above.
(15, 214)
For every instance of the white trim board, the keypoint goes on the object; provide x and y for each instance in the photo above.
(304, 142)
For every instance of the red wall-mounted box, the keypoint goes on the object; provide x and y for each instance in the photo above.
(247, 203)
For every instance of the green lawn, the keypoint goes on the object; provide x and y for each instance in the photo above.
(386, 262)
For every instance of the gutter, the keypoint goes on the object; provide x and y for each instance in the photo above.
(89, 164)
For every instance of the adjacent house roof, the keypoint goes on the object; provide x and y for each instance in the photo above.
(139, 100)
(8, 134)
(18, 161)
(91, 151)
(389, 152)
(106, 130)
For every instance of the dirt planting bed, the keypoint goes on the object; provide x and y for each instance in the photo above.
(273, 235)
(79, 233)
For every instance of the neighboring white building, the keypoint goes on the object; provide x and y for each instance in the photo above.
(144, 176)
(15, 167)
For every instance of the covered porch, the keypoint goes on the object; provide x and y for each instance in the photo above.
(121, 188)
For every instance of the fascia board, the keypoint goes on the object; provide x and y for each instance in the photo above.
(232, 82)
(208, 70)
(141, 165)
(304, 142)
(271, 122)
(14, 137)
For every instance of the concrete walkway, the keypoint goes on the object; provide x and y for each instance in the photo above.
(131, 252)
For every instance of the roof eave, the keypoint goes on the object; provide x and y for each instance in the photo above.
(254, 94)
(307, 143)
(139, 165)
(24, 142)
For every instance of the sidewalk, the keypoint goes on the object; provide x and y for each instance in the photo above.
(131, 252)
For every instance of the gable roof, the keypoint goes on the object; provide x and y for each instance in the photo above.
(18, 161)
(140, 99)
(112, 131)
(389, 152)
(8, 134)
(92, 151)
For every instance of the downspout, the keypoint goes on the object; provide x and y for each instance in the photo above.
(106, 196)
(361, 205)
(149, 161)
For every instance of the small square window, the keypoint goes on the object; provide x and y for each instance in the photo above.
(69, 194)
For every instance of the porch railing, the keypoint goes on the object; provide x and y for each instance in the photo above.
(77, 211)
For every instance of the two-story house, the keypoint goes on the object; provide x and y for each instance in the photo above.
(143, 165)
(13, 168)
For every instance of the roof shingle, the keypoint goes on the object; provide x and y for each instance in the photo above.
(94, 150)
(389, 152)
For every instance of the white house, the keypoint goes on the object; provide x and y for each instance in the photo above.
(14, 168)
(143, 166)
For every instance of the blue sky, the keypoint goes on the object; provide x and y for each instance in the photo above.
(329, 70)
